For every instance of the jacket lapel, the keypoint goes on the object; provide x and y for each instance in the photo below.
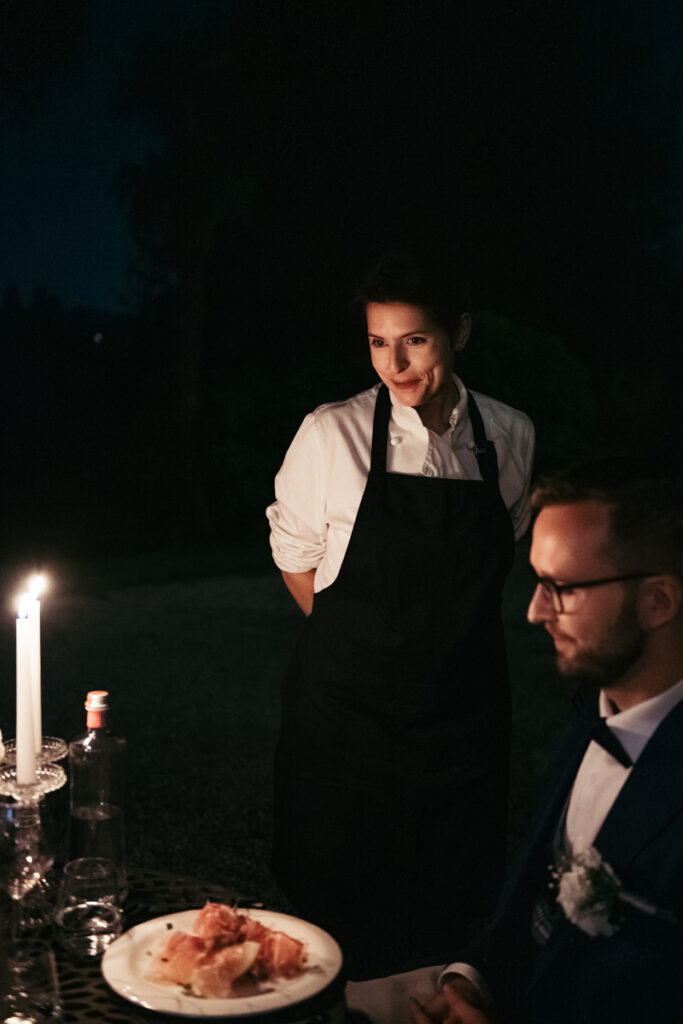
(649, 798)
(525, 878)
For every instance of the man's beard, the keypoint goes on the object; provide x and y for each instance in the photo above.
(606, 664)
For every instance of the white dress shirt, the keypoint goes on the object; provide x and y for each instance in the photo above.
(321, 482)
(600, 776)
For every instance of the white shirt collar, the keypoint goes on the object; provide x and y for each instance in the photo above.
(459, 414)
(636, 725)
(405, 414)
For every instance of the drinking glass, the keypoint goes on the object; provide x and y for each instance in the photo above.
(29, 989)
(88, 916)
(27, 854)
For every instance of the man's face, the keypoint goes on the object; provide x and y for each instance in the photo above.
(598, 637)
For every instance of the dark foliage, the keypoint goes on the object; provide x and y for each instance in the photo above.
(298, 141)
(39, 42)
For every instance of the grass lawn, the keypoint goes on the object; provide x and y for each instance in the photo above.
(192, 646)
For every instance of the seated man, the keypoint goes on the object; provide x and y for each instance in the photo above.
(570, 943)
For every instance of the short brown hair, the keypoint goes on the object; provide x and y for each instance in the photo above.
(429, 280)
(645, 498)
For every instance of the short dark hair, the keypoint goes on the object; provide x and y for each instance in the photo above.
(645, 498)
(430, 280)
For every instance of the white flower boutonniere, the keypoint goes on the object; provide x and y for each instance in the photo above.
(589, 893)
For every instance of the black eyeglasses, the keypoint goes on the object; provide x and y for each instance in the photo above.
(562, 596)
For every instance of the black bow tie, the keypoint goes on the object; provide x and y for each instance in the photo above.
(601, 732)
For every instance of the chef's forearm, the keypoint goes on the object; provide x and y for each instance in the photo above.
(300, 586)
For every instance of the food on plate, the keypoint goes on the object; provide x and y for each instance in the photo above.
(224, 947)
(186, 960)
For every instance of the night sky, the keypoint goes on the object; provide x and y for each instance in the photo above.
(62, 226)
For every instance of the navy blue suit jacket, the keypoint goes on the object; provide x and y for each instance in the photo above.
(636, 975)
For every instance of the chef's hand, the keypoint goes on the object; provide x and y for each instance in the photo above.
(300, 585)
(458, 1002)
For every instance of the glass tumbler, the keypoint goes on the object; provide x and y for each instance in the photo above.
(88, 916)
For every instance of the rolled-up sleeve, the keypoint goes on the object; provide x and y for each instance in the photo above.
(514, 437)
(298, 527)
(523, 455)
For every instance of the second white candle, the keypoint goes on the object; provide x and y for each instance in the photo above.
(26, 747)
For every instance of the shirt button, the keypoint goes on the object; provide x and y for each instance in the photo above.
(395, 440)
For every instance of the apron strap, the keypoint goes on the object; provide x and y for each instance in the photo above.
(484, 449)
(380, 429)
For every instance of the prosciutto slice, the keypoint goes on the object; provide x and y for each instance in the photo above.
(179, 957)
(279, 956)
(221, 925)
(214, 975)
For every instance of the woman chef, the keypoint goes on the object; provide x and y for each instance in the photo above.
(394, 525)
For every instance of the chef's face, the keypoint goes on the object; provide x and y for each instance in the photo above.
(412, 354)
(598, 635)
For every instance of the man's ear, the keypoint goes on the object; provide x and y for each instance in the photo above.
(462, 333)
(660, 600)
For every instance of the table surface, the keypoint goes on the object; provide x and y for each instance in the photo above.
(88, 999)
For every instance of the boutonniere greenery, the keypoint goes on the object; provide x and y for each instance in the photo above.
(590, 894)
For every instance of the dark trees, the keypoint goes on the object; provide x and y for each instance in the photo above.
(292, 142)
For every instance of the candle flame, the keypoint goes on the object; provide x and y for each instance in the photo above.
(36, 585)
(24, 603)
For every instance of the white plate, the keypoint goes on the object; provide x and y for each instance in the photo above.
(128, 960)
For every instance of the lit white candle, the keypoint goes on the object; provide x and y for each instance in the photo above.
(26, 748)
(35, 588)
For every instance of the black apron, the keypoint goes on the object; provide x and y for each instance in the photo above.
(391, 774)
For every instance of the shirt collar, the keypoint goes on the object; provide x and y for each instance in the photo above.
(459, 413)
(407, 415)
(636, 725)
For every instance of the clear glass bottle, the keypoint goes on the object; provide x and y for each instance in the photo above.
(96, 766)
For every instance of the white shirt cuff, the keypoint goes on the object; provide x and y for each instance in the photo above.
(294, 546)
(471, 974)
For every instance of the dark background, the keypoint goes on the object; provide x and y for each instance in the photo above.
(193, 191)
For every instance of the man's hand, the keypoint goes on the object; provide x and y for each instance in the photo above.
(458, 1002)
